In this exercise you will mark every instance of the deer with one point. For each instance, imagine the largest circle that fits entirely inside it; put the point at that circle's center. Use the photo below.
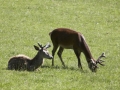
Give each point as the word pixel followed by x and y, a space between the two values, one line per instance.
pixel 65 38
pixel 23 62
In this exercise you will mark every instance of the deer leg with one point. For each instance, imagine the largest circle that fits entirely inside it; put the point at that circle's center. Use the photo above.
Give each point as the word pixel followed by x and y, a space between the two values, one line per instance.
pixel 53 53
pixel 77 53
pixel 60 53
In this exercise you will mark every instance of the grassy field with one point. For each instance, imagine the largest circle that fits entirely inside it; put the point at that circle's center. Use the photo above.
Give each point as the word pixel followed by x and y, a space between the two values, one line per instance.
pixel 23 23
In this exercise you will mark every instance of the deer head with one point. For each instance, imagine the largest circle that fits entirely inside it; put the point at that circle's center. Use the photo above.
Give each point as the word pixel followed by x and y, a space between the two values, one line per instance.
pixel 93 64
pixel 43 50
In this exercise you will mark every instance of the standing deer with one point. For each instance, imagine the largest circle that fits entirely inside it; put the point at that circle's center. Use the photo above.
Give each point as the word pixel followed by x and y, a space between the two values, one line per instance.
pixel 22 62
pixel 70 39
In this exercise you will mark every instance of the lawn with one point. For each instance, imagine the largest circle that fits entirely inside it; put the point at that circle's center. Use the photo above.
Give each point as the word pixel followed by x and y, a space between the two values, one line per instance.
pixel 23 23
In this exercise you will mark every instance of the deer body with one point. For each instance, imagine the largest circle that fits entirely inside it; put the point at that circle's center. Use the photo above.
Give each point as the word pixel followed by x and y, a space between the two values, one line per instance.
pixel 69 39
pixel 22 62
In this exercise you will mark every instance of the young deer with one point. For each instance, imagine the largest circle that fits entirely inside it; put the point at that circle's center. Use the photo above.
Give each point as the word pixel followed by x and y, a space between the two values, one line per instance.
pixel 22 62
pixel 70 39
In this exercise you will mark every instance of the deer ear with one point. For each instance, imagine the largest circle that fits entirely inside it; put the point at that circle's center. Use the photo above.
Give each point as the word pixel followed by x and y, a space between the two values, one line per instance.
pixel 36 47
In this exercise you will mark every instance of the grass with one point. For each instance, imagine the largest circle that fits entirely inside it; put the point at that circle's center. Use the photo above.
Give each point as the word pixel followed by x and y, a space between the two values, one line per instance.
pixel 23 23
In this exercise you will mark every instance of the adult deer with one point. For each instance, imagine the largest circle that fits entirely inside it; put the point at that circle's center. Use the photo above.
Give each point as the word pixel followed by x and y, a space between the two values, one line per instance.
pixel 22 62
pixel 70 39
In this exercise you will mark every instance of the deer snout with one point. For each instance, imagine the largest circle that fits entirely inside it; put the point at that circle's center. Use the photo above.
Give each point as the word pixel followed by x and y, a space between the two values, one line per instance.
pixel 51 57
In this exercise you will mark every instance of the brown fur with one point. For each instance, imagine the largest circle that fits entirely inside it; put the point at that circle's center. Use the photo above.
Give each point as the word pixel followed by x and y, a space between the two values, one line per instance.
pixel 70 39
pixel 19 62
pixel 22 62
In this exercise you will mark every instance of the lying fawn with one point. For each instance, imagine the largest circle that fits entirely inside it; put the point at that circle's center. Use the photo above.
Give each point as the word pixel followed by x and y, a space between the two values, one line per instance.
pixel 22 62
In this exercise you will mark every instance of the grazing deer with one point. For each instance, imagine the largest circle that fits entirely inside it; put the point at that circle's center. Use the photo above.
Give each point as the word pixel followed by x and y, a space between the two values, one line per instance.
pixel 22 62
pixel 70 39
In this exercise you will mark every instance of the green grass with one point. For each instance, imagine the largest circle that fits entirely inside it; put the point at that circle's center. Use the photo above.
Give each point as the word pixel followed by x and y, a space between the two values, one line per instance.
pixel 23 23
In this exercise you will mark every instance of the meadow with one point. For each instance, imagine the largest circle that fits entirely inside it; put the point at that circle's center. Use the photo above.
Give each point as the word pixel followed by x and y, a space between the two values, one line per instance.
pixel 23 23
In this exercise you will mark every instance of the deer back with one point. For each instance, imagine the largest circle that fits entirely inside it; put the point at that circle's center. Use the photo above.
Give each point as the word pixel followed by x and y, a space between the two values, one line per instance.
pixel 65 38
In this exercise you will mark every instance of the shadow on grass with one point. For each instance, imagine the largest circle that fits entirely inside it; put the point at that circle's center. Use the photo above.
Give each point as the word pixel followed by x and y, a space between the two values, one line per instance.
pixel 4 68
pixel 54 67
pixel 65 68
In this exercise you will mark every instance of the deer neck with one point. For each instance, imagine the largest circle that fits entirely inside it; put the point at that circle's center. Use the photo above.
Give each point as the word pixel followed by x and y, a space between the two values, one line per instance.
pixel 86 51
pixel 37 60
pixel 88 56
